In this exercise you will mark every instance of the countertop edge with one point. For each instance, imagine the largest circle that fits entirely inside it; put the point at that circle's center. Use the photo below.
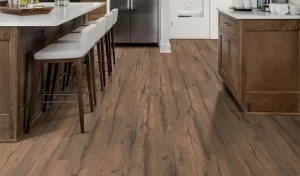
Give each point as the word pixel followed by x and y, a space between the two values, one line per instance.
pixel 258 15
pixel 97 5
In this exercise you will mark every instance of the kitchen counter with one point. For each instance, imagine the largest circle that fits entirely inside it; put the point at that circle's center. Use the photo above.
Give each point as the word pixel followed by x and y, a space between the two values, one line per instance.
pixel 57 16
pixel 240 15
pixel 20 38
pixel 259 61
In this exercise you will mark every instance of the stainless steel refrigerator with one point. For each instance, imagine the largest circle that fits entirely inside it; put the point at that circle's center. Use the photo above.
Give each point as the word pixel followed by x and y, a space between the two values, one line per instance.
pixel 138 21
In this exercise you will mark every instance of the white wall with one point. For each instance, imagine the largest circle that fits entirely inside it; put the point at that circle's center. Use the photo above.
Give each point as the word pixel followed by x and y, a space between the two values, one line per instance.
pixel 165 46
pixel 214 4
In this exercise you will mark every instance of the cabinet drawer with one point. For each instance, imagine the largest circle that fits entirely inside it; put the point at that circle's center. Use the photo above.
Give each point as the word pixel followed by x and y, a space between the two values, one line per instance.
pixel 228 25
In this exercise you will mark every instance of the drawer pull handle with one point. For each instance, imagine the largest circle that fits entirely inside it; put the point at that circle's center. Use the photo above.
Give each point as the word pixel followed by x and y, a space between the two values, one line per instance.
pixel 226 40
pixel 226 24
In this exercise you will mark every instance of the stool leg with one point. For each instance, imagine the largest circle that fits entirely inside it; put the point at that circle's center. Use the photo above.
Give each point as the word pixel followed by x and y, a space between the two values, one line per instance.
pixel 100 66
pixel 108 54
pixel 35 82
pixel 48 82
pixel 113 44
pixel 92 62
pixel 103 60
pixel 80 92
pixel 68 73
pixel 42 87
pixel 87 60
pixel 64 76
pixel 53 82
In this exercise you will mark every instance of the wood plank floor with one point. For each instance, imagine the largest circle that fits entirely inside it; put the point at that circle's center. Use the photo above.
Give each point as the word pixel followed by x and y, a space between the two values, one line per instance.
pixel 161 115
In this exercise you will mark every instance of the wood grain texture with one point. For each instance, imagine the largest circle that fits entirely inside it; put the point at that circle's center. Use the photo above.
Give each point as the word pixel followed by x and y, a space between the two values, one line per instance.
pixel 17 46
pixel 259 63
pixel 228 25
pixel 4 34
pixel 97 13
pixel 160 115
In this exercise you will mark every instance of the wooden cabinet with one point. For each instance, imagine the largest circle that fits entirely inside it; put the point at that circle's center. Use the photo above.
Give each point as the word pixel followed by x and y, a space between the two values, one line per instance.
pixel 234 65
pixel 229 62
pixel 259 63
pixel 97 13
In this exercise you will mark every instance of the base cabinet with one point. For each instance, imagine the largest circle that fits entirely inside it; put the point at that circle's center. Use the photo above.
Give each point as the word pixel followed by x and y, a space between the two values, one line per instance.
pixel 259 63
pixel 97 13
pixel 229 63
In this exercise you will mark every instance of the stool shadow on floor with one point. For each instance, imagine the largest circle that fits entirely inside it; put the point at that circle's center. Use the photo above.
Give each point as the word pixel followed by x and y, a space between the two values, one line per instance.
pixel 62 116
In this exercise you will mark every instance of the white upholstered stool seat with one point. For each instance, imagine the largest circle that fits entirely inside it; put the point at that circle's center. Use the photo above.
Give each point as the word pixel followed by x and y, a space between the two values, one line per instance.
pixel 115 12
pixel 110 19
pixel 79 29
pixel 70 38
pixel 89 23
pixel 70 50
pixel 111 16
pixel 60 51
pixel 75 37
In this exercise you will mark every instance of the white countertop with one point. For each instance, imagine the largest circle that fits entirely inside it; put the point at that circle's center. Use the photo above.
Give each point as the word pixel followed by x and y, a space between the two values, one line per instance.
pixel 256 15
pixel 57 16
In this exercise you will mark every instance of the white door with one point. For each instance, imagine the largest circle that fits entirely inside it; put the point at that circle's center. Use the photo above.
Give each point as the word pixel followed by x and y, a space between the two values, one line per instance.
pixel 190 19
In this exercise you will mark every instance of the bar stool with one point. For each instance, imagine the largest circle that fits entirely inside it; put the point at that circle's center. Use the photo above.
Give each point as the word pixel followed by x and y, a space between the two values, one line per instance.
pixel 75 38
pixel 110 31
pixel 115 19
pixel 65 53
pixel 110 20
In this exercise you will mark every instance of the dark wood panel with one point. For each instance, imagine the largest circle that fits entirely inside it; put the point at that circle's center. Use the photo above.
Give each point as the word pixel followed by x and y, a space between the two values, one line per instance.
pixel 271 25
pixel 4 34
pixel 34 42
pixel 4 72
pixel 273 102
pixel 272 61
pixel 3 3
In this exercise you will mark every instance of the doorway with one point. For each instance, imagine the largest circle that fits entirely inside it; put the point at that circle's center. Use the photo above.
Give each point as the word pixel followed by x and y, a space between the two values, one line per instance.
pixel 190 19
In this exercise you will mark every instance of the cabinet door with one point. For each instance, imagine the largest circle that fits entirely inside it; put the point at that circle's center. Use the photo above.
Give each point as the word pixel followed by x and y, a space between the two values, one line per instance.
pixel 234 63
pixel 229 62
pixel 224 60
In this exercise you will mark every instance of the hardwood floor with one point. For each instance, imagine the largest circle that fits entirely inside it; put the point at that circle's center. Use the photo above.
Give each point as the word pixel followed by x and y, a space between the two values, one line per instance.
pixel 161 115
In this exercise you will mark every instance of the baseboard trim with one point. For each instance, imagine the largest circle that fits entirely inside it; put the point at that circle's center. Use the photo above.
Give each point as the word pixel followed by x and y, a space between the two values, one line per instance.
pixel 165 48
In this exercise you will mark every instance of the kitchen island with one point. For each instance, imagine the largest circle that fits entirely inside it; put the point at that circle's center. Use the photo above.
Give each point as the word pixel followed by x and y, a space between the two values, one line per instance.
pixel 20 38
pixel 259 55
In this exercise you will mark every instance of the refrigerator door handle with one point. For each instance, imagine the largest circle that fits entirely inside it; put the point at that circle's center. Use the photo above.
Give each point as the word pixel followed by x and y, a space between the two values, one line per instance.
pixel 131 4
pixel 128 5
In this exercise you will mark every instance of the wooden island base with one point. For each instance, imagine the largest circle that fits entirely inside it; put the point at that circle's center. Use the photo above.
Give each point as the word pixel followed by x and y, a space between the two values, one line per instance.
pixel 17 46
pixel 259 63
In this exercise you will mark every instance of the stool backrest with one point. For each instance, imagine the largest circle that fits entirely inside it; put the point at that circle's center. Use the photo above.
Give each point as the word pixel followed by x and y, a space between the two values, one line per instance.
pixel 115 12
pixel 101 27
pixel 88 39
pixel 110 18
